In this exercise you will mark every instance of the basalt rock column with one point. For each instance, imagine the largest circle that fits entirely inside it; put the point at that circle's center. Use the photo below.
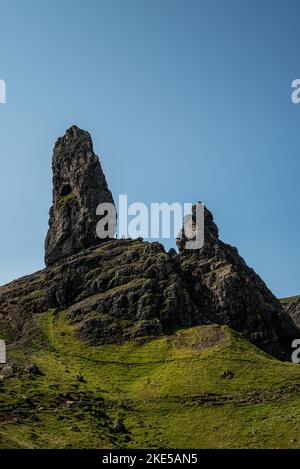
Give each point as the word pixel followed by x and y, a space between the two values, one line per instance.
pixel 79 186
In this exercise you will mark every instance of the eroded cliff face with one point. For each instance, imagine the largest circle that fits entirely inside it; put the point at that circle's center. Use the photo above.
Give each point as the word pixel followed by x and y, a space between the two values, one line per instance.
pixel 232 293
pixel 79 186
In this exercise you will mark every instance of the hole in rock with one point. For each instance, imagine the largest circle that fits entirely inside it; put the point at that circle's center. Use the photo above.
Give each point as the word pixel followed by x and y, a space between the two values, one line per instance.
pixel 66 190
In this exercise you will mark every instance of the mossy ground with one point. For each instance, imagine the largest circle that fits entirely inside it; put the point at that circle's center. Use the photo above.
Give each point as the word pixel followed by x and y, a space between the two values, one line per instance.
pixel 290 299
pixel 167 391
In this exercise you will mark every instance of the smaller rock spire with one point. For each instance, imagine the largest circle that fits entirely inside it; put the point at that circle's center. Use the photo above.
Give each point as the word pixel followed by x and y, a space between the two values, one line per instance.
pixel 232 293
pixel 79 186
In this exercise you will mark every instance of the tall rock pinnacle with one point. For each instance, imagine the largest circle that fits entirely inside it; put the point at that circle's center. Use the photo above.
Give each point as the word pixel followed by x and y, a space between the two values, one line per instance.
pixel 79 186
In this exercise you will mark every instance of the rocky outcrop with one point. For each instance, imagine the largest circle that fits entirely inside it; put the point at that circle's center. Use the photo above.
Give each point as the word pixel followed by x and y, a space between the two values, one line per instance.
pixel 79 186
pixel 292 307
pixel 232 293
pixel 111 291
pixel 125 289
pixel 118 291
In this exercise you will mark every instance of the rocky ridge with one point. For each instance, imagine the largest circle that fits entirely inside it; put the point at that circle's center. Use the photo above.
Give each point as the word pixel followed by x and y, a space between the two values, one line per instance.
pixel 118 291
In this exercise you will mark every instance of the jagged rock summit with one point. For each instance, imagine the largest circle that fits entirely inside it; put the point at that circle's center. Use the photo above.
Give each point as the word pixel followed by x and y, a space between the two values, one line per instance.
pixel 79 186
pixel 232 293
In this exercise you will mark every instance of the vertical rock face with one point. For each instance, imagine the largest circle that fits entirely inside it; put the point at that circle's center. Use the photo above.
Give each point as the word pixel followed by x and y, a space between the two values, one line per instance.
pixel 232 293
pixel 79 186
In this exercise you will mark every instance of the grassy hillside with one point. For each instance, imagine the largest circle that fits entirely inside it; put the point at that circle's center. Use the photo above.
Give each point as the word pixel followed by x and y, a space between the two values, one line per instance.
pixel 290 299
pixel 168 392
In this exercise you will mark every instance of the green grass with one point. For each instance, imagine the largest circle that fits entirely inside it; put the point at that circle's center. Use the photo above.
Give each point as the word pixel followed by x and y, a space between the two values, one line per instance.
pixel 289 299
pixel 65 198
pixel 34 295
pixel 168 391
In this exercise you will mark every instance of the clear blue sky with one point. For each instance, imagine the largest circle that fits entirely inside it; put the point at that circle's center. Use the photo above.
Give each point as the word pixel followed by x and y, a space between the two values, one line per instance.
pixel 186 100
